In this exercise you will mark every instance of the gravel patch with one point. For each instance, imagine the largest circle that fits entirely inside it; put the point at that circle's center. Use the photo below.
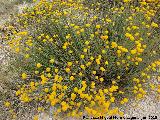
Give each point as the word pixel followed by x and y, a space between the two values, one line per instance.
pixel 149 106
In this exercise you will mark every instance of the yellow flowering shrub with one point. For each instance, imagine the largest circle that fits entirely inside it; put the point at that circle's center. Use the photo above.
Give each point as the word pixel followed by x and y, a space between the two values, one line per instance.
pixel 81 61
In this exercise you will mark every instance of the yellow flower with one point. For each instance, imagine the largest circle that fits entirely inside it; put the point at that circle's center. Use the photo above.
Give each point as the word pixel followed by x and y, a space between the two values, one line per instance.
pixel 118 52
pixel 27 56
pixel 92 103
pixel 158 90
pixel 139 59
pixel 105 37
pixel 17 50
pixel 101 79
pixel 80 74
pixel 113 82
pixel 98 26
pixel 125 100
pixel 136 63
pixel 106 63
pixel 67 70
pixel 35 117
pixel 81 30
pixel 91 58
pixel 88 25
pixel 92 35
pixel 87 42
pixel 82 56
pixel 24 33
pixel 18 92
pixel 40 108
pixel 108 20
pixel 128 35
pixel 128 57
pixel 134 27
pixel 113 88
pixel 112 99
pixel 51 60
pixel 24 76
pixel 132 38
pixel 48 69
pixel 93 86
pixel 65 87
pixel 88 64
pixel 76 27
pixel 73 96
pixel 102 69
pixel 65 107
pixel 83 67
pixel 70 51
pixel 133 51
pixel 114 45
pixel 94 72
pixel 46 90
pixel 78 32
pixel 139 96
pixel 153 24
pixel 118 63
pixel 106 32
pixel 47 36
pixel 56 70
pixel 71 78
pixel 7 104
pixel 85 50
pixel 106 91
pixel 75 89
pixel 98 61
pixel 113 111
pixel 118 77
pixel 44 40
pixel 36 72
pixel 69 64
pixel 39 65
pixel 103 51
pixel 122 102
pixel 64 47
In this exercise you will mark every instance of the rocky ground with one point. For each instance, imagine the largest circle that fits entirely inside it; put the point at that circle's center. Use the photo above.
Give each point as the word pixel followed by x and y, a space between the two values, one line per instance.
pixel 148 107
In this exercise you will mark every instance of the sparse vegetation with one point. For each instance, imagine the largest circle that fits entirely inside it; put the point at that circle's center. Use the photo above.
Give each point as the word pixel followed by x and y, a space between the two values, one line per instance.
pixel 81 57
